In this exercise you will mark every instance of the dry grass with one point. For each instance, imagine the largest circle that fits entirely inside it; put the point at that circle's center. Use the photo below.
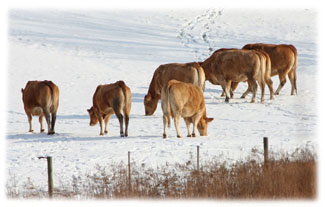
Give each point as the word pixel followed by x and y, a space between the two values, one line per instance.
pixel 288 177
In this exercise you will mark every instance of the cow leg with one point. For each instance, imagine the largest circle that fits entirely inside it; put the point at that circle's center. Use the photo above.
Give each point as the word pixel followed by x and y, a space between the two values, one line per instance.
pixel 126 120
pixel 106 119
pixel 176 122
pixel 246 92
pixel 100 120
pixel 48 121
pixel 262 86
pixel 53 123
pixel 234 85
pixel 269 83
pixel 293 79
pixel 30 121
pixel 40 119
pixel 165 121
pixel 196 119
pixel 188 126
pixel 253 86
pixel 226 88
pixel 283 81
pixel 120 119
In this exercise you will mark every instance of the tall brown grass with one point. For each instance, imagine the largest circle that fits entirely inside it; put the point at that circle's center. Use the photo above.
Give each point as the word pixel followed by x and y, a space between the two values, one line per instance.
pixel 286 177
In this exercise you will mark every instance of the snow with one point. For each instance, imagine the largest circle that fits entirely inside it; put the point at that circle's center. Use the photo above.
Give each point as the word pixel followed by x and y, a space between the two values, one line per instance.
pixel 80 49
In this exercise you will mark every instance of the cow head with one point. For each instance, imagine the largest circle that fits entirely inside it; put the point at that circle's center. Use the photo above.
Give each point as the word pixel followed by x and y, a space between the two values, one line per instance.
pixel 150 104
pixel 93 117
pixel 203 125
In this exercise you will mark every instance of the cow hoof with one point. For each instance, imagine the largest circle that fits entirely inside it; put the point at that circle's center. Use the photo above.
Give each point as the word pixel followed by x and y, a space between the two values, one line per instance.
pixel 101 134
pixel 227 100
pixel 242 97
pixel 179 136
pixel 105 132
pixel 276 93
pixel 189 135
pixel 122 135
pixel 253 101
pixel 164 136
pixel 31 131
pixel 42 130
pixel 193 135
pixel 51 133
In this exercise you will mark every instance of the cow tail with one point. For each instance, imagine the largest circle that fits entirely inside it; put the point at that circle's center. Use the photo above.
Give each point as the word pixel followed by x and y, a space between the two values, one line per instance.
pixel 165 103
pixel 294 67
pixel 50 85
pixel 201 76
pixel 127 97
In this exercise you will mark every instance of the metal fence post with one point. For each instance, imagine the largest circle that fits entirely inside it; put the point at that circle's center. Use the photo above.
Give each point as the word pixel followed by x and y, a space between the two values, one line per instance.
pixel 129 169
pixel 49 174
pixel 198 157
pixel 266 149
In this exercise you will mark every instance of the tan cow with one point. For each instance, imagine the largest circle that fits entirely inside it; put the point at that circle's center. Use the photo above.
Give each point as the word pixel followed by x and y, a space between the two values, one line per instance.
pixel 225 66
pixel 185 72
pixel 284 61
pixel 111 99
pixel 265 59
pixel 41 98
pixel 185 100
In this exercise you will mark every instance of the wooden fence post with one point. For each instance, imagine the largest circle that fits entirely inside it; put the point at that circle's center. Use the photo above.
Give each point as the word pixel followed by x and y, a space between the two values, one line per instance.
pixel 49 174
pixel 266 149
pixel 129 169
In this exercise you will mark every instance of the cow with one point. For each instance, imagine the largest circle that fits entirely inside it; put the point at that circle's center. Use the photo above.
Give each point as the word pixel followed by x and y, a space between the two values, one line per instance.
pixel 179 99
pixel 225 66
pixel 265 59
pixel 111 99
pixel 185 72
pixel 284 61
pixel 41 98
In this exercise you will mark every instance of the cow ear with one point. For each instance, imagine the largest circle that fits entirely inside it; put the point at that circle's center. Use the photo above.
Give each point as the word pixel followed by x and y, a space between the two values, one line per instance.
pixel 22 90
pixel 88 110
pixel 209 119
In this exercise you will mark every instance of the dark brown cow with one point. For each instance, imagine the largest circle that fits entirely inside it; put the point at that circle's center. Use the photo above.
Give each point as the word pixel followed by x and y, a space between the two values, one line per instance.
pixel 41 98
pixel 284 61
pixel 111 99
pixel 185 72
pixel 225 66
pixel 185 100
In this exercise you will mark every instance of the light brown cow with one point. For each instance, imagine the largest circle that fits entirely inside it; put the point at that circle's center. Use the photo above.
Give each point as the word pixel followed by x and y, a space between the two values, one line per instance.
pixel 111 99
pixel 185 72
pixel 225 66
pixel 185 100
pixel 41 98
pixel 265 59
pixel 284 61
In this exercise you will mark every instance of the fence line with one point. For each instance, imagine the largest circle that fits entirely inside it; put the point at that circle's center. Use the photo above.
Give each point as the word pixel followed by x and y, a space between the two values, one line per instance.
pixel 50 166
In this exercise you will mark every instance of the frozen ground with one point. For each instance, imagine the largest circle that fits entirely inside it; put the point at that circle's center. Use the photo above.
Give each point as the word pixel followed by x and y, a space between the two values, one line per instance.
pixel 78 50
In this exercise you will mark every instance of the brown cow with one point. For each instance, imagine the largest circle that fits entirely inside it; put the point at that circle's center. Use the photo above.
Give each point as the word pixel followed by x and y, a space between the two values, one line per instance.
pixel 185 72
pixel 225 66
pixel 111 99
pixel 284 61
pixel 179 99
pixel 41 98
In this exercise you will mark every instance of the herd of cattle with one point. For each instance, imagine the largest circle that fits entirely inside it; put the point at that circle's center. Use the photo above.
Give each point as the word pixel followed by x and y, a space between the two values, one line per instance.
pixel 179 86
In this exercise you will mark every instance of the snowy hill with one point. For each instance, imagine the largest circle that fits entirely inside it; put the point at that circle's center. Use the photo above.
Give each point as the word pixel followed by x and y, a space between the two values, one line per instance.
pixel 79 50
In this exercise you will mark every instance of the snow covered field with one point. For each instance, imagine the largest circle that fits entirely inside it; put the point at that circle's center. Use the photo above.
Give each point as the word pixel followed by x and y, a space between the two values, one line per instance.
pixel 78 50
